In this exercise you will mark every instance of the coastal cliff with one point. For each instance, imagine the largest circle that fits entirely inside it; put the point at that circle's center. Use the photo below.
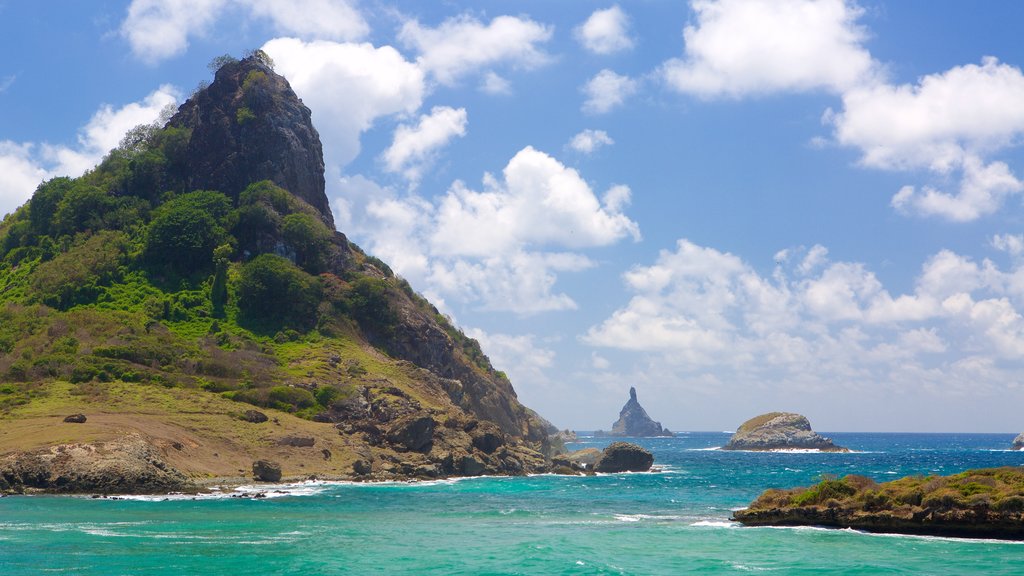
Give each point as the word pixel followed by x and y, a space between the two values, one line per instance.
pixel 779 431
pixel 984 503
pixel 195 278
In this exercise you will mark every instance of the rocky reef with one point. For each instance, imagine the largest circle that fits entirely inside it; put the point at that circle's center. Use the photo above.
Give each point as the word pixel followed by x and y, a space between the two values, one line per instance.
pixel 779 431
pixel 634 422
pixel 985 503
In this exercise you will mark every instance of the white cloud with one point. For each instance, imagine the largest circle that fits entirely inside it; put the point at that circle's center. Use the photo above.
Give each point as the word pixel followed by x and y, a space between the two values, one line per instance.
pixel 348 87
pixel 518 355
pixel 463 45
pixel 494 83
pixel 1012 244
pixel 740 47
pixel 589 141
pixel 313 19
pixel 414 147
pixel 605 31
pixel 26 165
pixel 6 82
pixel 160 29
pixel 707 314
pixel 501 248
pixel 606 90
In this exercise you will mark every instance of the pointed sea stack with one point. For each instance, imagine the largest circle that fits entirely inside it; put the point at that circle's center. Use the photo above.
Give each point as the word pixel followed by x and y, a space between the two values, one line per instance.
pixel 634 422
pixel 779 431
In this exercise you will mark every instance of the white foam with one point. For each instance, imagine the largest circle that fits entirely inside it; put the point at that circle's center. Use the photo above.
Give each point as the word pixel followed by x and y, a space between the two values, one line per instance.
pixel 639 517
pixel 715 524
pixel 703 449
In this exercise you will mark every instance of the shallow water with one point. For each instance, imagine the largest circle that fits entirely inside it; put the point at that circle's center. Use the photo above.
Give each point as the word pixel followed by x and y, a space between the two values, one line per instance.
pixel 670 522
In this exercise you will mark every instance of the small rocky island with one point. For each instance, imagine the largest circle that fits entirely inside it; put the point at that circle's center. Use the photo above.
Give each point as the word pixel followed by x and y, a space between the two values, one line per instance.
pixel 634 422
pixel 1018 442
pixel 779 431
pixel 984 503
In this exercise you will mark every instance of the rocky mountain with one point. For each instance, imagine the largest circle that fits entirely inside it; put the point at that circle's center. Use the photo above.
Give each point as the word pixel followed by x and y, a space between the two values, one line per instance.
pixel 191 294
pixel 779 431
pixel 634 422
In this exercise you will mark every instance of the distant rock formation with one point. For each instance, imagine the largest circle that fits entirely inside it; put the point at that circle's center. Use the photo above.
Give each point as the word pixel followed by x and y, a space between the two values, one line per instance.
pixel 624 457
pixel 779 431
pixel 1018 442
pixel 634 422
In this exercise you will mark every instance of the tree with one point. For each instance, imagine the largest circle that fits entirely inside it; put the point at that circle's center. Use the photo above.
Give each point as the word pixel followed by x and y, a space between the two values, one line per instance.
pixel 309 238
pixel 219 287
pixel 275 294
pixel 185 231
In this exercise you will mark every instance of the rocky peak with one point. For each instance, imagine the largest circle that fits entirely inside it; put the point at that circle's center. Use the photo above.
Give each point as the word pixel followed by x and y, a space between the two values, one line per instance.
pixel 247 126
pixel 634 422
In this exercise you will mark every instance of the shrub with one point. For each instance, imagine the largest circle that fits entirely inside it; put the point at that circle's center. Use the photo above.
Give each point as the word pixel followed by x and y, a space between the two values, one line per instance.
pixel 83 208
pixel 186 230
pixel 290 398
pixel 274 294
pixel 309 238
pixel 824 490
pixel 76 276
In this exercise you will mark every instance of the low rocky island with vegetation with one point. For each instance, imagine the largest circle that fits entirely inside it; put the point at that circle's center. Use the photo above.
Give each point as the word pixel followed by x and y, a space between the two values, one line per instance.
pixel 983 503
pixel 779 431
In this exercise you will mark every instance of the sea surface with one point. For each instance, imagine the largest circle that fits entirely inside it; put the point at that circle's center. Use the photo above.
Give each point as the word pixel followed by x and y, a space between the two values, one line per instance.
pixel 673 521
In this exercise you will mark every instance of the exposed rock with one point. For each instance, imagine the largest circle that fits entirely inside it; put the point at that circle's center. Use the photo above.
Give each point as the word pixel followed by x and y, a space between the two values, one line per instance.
pixel 624 457
pixel 362 467
pixel 487 437
pixel 128 465
pixel 247 126
pixel 634 422
pixel 254 416
pixel 1018 442
pixel 586 457
pixel 75 419
pixel 564 436
pixel 297 441
pixel 266 471
pixel 779 431
pixel 414 433
pixel 470 466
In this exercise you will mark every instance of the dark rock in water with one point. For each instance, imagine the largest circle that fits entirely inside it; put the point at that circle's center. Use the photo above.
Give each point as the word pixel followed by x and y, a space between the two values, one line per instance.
pixel 75 419
pixel 247 126
pixel 254 416
pixel 297 441
pixel 1018 442
pixel 624 457
pixel 414 433
pixel 266 471
pixel 634 422
pixel 779 431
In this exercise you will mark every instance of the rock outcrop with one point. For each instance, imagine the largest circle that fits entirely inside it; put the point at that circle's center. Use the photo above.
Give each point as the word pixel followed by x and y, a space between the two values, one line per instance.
pixel 128 465
pixel 779 431
pixel 266 471
pixel 624 457
pixel 1018 442
pixel 247 126
pixel 634 422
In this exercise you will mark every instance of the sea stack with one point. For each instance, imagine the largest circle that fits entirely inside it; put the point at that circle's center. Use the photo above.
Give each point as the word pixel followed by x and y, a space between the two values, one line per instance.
pixel 1018 442
pixel 634 422
pixel 779 431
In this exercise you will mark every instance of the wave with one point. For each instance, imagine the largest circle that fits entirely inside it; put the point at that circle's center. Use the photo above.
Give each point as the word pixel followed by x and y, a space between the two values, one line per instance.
pixel 640 517
pixel 715 524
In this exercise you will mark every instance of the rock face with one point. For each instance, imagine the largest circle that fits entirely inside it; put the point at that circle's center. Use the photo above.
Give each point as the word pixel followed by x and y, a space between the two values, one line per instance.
pixel 266 471
pixel 1018 442
pixel 634 422
pixel 779 431
pixel 624 457
pixel 247 126
pixel 128 465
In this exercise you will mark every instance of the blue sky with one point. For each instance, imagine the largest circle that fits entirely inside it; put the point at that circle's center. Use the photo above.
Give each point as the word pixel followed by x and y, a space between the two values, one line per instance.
pixel 736 206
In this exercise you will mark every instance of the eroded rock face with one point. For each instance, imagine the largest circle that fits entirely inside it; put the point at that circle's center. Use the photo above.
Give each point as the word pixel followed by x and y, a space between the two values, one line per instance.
pixel 779 431
pixel 266 471
pixel 624 457
pixel 634 422
pixel 247 126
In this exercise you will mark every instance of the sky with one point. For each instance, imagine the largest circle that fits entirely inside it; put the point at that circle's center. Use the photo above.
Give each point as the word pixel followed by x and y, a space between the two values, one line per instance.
pixel 736 206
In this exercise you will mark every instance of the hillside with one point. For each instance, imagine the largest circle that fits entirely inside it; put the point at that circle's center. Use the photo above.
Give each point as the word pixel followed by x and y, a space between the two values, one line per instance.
pixel 194 276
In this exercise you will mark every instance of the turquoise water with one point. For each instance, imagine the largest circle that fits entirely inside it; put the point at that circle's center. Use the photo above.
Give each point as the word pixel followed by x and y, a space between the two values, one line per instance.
pixel 670 522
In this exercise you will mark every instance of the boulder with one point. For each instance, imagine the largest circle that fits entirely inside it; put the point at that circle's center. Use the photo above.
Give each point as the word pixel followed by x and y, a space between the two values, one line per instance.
pixel 75 419
pixel 634 422
pixel 470 466
pixel 624 457
pixel 297 441
pixel 266 471
pixel 414 433
pixel 779 431
pixel 585 458
pixel 1018 442
pixel 362 467
pixel 254 416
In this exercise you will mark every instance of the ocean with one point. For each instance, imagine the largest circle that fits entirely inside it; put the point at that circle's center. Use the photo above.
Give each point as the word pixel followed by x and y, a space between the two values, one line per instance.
pixel 671 521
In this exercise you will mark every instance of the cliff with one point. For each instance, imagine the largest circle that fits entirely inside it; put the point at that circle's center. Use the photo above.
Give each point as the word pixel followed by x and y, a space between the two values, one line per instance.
pixel 779 431
pixel 985 503
pixel 195 278
pixel 634 422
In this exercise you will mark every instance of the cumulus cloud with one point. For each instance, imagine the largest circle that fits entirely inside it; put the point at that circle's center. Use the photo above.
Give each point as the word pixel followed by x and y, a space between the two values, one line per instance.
pixel 463 45
pixel 160 29
pixel 348 86
pixel 494 83
pixel 589 141
pixel 25 165
pixel 414 147
pixel 708 314
pixel 498 248
pixel 605 31
pixel 741 47
pixel 607 90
